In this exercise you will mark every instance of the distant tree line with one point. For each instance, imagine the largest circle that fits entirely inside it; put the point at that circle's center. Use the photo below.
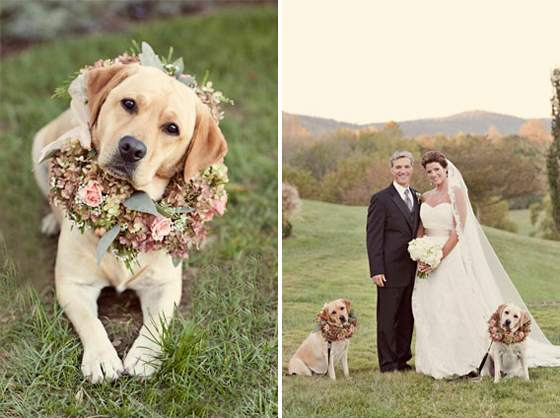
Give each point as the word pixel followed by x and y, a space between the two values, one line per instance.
pixel 348 166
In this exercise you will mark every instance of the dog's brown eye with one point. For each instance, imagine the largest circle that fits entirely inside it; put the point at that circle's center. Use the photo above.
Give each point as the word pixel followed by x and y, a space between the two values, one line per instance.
pixel 129 105
pixel 333 312
pixel 507 313
pixel 171 129
pixel 342 308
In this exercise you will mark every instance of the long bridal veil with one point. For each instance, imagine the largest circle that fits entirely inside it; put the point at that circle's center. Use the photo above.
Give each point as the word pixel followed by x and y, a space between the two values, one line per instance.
pixel 488 276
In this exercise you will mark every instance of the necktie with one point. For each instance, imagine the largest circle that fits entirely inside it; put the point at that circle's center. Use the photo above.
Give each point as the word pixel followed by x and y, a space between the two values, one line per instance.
pixel 408 200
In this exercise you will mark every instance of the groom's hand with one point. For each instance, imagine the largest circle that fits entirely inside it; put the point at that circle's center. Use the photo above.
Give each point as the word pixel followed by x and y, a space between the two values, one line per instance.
pixel 379 280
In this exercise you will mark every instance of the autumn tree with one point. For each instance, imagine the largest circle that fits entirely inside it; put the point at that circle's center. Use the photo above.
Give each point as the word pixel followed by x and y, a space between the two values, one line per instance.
pixel 294 136
pixel 322 156
pixel 493 132
pixel 492 171
pixel 553 162
pixel 535 130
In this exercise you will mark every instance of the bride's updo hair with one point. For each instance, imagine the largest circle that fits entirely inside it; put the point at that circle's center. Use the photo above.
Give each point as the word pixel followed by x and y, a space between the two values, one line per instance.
pixel 434 157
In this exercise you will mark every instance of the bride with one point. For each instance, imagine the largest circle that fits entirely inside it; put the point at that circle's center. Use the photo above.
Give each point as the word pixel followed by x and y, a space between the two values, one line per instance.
pixel 452 306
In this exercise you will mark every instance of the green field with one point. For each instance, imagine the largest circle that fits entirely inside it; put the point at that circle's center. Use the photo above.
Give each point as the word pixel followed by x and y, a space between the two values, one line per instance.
pixel 326 259
pixel 522 218
pixel 220 353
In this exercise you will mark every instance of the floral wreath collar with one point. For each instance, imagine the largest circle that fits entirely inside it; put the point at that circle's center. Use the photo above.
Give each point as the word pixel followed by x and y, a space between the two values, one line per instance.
pixel 127 220
pixel 332 332
pixel 501 335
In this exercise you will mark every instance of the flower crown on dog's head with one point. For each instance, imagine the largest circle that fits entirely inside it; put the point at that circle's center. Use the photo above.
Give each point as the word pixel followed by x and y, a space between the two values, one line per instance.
pixel 127 220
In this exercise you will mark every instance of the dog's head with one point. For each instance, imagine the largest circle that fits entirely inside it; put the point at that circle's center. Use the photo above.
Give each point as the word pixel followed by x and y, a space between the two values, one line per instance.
pixel 336 312
pixel 147 126
pixel 511 316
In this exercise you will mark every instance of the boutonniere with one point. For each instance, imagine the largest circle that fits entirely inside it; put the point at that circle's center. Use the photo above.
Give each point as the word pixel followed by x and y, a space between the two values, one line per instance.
pixel 419 198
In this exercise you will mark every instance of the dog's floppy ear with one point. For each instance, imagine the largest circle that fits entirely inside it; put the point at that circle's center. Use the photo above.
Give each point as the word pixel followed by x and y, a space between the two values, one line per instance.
pixel 347 303
pixel 324 314
pixel 524 318
pixel 501 308
pixel 208 145
pixel 100 81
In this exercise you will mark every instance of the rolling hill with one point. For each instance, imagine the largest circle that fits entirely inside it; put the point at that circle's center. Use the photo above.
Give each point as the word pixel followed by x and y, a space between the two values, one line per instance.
pixel 473 122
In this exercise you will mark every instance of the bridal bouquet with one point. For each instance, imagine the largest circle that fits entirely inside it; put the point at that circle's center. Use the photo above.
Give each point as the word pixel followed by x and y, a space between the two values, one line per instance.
pixel 427 251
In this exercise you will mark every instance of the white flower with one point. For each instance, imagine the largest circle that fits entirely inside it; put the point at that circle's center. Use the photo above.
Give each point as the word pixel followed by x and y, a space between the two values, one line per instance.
pixel 426 250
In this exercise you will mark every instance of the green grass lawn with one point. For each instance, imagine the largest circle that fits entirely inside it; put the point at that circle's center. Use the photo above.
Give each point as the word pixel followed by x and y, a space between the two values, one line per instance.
pixel 522 218
pixel 326 259
pixel 220 352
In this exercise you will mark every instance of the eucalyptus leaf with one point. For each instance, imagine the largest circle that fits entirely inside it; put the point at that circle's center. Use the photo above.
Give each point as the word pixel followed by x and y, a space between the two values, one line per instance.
pixel 167 212
pixel 49 155
pixel 141 202
pixel 183 209
pixel 187 81
pixel 106 241
pixel 149 57
pixel 180 67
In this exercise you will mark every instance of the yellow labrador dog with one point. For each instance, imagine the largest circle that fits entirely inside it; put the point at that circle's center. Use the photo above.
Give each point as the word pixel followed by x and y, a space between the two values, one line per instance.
pixel 146 126
pixel 510 358
pixel 312 355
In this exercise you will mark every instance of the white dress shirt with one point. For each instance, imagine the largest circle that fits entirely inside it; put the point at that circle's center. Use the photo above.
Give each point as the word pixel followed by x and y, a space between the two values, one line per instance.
pixel 401 190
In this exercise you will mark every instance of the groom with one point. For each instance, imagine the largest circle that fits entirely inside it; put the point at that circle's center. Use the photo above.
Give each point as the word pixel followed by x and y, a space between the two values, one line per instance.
pixel 392 221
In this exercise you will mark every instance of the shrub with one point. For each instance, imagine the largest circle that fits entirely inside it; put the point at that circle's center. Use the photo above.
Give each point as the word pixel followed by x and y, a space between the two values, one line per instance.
pixel 541 219
pixel 291 204
pixel 496 217
pixel 307 185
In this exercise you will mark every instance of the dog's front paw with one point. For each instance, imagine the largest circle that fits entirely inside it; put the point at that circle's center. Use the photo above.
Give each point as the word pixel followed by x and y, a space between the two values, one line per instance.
pixel 101 364
pixel 49 225
pixel 141 362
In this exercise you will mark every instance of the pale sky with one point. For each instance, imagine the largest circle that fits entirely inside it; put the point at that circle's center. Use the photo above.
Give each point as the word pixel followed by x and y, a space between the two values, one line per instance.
pixel 373 61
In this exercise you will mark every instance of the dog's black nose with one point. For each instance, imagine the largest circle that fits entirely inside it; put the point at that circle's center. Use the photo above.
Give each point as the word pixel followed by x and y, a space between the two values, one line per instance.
pixel 131 149
pixel 342 318
pixel 507 323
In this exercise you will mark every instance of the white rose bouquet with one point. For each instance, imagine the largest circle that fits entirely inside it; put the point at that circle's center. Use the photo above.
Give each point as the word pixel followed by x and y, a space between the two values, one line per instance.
pixel 426 250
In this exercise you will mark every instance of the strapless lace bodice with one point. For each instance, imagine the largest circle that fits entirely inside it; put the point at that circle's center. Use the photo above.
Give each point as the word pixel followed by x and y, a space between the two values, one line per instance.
pixel 439 217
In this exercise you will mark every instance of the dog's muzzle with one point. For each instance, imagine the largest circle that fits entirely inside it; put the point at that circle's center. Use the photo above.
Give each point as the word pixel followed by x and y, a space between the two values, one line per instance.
pixel 125 159
pixel 131 149
pixel 342 319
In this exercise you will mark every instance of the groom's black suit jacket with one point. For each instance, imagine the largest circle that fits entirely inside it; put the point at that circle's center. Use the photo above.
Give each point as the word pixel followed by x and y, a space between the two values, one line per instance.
pixel 390 226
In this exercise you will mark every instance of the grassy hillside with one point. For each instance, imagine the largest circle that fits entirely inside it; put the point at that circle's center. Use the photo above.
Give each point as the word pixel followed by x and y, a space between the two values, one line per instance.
pixel 220 355
pixel 326 259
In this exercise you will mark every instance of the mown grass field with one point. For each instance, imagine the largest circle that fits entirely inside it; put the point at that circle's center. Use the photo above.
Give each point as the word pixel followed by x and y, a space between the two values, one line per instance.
pixel 326 259
pixel 522 218
pixel 220 353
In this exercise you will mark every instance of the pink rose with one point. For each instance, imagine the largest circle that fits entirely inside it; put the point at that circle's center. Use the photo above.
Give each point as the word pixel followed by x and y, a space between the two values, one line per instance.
pixel 219 205
pixel 160 227
pixel 340 336
pixel 492 322
pixel 327 328
pixel 521 334
pixel 91 193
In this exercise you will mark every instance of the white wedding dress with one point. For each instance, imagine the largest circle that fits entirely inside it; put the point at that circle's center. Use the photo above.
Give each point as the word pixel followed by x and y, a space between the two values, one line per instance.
pixel 450 323
pixel 453 305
